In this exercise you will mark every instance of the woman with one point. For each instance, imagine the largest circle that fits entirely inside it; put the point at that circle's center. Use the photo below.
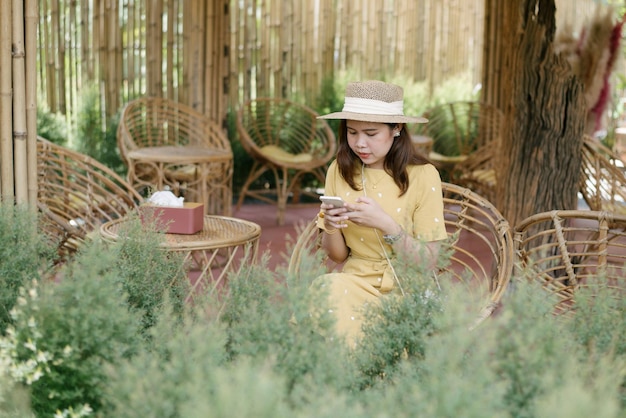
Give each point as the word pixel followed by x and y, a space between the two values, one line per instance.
pixel 392 202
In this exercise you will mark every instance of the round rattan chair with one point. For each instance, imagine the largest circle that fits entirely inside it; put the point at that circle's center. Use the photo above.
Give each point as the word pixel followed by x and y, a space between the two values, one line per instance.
pixel 566 250
pixel 466 136
pixel 166 144
pixel 76 194
pixel 480 244
pixel 287 139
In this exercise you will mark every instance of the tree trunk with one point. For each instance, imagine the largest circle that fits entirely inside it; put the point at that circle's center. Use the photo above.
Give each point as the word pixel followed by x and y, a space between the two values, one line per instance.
pixel 545 117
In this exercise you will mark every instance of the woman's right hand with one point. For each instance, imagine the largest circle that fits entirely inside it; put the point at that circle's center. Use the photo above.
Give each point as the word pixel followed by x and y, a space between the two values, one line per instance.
pixel 334 217
pixel 332 240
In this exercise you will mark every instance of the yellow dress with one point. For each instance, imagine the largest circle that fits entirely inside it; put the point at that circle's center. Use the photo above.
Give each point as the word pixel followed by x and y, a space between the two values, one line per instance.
pixel 366 274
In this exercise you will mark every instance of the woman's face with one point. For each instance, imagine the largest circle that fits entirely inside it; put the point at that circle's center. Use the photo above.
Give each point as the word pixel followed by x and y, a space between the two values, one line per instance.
pixel 370 141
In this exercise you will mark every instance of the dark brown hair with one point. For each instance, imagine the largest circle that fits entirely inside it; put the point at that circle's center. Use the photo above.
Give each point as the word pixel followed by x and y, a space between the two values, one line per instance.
pixel 400 155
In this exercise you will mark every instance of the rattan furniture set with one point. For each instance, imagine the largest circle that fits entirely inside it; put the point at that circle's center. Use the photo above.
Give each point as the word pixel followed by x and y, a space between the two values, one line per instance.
pixel 78 197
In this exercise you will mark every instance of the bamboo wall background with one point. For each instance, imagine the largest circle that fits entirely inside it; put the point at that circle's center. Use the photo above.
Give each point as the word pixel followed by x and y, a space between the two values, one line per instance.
pixel 213 54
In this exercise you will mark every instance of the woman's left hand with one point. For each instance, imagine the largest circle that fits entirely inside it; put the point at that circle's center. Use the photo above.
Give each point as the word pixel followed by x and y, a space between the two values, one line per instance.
pixel 367 212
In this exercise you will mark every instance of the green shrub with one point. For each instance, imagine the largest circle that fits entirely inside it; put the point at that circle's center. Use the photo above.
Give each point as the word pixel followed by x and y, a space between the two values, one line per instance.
pixel 51 126
pixel 66 334
pixel 94 136
pixel 24 254
pixel 456 88
pixel 104 340
pixel 161 380
pixel 267 321
pixel 148 275
pixel 400 327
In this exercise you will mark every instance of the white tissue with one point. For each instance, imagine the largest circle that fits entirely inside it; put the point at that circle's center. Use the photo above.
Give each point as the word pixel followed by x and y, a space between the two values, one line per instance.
pixel 166 198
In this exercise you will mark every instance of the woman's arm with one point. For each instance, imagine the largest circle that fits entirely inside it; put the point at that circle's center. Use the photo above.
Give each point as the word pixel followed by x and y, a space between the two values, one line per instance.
pixel 331 220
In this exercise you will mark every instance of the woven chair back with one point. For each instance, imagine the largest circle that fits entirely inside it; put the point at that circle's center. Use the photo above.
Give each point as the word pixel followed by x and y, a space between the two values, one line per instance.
pixel 602 178
pixel 566 250
pixel 289 126
pixel 76 194
pixel 155 122
pixel 286 139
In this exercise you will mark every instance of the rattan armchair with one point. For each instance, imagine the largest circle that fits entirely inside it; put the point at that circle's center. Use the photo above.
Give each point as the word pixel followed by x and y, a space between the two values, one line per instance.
pixel 287 139
pixel 466 137
pixel 602 178
pixel 480 244
pixel 76 194
pixel 168 145
pixel 566 250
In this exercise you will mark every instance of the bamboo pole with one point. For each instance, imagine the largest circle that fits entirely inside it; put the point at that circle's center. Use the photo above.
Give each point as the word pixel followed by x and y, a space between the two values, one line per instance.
pixel 198 56
pixel 59 32
pixel 154 50
pixel 73 56
pixel 31 19
pixel 86 54
pixel 41 47
pixel 50 65
pixel 20 128
pixel 6 105
pixel 169 51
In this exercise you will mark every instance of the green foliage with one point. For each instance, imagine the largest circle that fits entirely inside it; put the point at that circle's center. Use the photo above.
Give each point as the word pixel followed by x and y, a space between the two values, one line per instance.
pixel 242 161
pixel 401 325
pixel 95 136
pixel 24 254
pixel 162 379
pixel 112 337
pixel 330 99
pixel 266 320
pixel 73 330
pixel 149 276
pixel 51 126
pixel 454 89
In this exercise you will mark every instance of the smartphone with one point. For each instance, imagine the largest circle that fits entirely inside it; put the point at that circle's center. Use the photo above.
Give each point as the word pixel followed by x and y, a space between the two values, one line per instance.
pixel 336 201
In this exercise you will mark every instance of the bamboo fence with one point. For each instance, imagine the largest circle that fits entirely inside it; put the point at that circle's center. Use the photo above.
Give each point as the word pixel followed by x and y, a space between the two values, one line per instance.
pixel 213 54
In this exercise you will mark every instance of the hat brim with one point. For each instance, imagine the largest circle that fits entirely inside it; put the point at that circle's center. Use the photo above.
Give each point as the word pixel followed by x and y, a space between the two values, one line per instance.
pixel 363 117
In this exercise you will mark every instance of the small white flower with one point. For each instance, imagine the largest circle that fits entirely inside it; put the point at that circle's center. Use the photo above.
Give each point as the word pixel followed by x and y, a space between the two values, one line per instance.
pixel 30 345
pixel 67 350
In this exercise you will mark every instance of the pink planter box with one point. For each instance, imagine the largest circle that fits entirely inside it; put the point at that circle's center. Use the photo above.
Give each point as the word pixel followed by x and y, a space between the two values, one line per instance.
pixel 187 219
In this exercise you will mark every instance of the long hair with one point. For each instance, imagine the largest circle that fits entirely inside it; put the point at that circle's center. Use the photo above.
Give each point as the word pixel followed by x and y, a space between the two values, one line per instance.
pixel 400 155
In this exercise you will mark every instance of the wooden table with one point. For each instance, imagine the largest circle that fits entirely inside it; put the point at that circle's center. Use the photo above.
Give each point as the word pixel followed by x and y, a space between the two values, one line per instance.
pixel 198 173
pixel 422 144
pixel 446 164
pixel 223 246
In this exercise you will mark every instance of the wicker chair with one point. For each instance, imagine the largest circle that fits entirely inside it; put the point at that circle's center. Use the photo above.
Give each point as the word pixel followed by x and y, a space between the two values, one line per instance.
pixel 480 242
pixel 76 194
pixel 571 249
pixel 166 144
pixel 287 139
pixel 602 179
pixel 466 136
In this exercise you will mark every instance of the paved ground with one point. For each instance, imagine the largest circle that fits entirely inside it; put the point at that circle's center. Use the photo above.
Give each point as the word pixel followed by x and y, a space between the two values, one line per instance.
pixel 274 238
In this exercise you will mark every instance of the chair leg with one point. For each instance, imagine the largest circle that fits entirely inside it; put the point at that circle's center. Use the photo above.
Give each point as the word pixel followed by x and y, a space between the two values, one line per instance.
pixel 255 173
pixel 282 191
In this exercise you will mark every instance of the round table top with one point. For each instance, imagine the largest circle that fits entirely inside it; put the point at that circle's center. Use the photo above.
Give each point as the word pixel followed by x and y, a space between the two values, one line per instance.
pixel 218 232
pixel 421 140
pixel 180 154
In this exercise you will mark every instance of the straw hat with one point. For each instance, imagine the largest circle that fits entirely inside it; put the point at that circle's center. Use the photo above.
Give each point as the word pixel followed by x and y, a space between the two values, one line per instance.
pixel 374 101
